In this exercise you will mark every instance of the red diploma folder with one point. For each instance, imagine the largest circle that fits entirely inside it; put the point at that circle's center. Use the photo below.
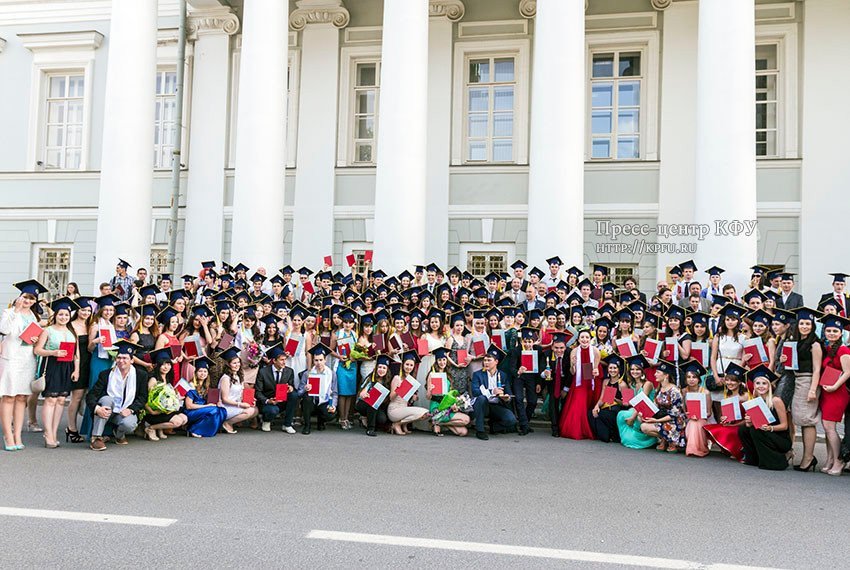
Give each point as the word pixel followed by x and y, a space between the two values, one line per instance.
pixel 528 359
pixel 308 286
pixel 380 342
pixel 192 346
pixel 789 351
pixel 213 396
pixel 69 348
pixel 407 388
pixel 33 330
pixel 627 394
pixel 248 396
pixel 644 405
pixel 755 348
pixel 700 352
pixel 292 345
pixel 625 347
pixel 368 255
pixel 829 376
pixel 183 387
pixel 462 355
pixel 609 394
pixel 408 340
pixel 653 349
pixel 758 412
pixel 350 259
pixel 329 260
pixel 106 335
pixel 422 346
pixel 281 392
pixel 176 350
pixel 478 347
pixel 376 396
pixel 226 341
pixel 586 365
pixel 697 405
pixel 730 408
pixel 315 383
pixel 439 383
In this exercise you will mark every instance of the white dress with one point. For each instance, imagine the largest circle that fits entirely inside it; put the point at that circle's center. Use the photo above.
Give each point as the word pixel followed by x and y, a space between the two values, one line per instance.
pixel 235 395
pixel 298 362
pixel 17 362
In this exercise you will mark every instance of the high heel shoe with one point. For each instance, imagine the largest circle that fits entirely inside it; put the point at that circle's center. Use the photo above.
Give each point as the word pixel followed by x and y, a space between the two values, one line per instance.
pixel 73 436
pixel 50 445
pixel 9 447
pixel 810 467
pixel 836 472
pixel 150 435
pixel 34 428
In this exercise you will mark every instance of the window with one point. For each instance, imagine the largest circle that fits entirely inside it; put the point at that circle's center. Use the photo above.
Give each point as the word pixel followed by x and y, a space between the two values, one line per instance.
pixel 359 261
pixel 619 273
pixel 490 109
pixel 480 263
pixel 63 128
pixel 367 78
pixel 166 114
pixel 767 100
pixel 54 269
pixel 615 122
pixel 158 264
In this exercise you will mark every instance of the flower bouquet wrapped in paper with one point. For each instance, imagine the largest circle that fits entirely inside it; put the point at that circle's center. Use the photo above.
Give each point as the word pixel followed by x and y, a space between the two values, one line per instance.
pixel 163 399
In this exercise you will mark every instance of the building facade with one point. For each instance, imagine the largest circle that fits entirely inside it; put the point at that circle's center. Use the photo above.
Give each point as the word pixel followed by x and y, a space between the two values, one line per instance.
pixel 465 132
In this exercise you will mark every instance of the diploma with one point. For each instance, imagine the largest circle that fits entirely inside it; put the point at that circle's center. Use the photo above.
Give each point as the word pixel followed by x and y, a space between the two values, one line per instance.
pixel 408 388
pixel 32 331
pixel 789 350
pixel 755 348
pixel 439 383
pixel 529 359
pixel 758 412
pixel 700 353
pixel 376 396
pixel 69 348
pixel 730 408
pixel 653 348
pixel 281 392
pixel 625 347
pixel 697 405
pixel 643 405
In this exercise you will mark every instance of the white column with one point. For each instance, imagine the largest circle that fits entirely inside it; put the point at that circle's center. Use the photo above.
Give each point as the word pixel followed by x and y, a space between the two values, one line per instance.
pixel 313 227
pixel 725 135
pixel 556 158
pixel 676 184
pixel 126 175
pixel 400 180
pixel 825 176
pixel 210 81
pixel 443 16
pixel 261 139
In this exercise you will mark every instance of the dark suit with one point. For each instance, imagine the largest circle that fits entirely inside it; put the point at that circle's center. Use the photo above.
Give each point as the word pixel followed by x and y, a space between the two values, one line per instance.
pixel 557 395
pixel 536 304
pixel 828 296
pixel 266 385
pixel 525 385
pixel 502 419
pixel 98 396
pixel 794 301
pixel 99 390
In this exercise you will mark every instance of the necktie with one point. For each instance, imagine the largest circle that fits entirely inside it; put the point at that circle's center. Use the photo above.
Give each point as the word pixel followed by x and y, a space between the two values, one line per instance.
pixel 840 298
pixel 558 377
pixel 277 376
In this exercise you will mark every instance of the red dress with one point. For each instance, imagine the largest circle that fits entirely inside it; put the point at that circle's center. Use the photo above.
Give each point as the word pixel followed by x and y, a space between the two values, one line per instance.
pixel 175 366
pixel 726 438
pixel 833 404
pixel 574 422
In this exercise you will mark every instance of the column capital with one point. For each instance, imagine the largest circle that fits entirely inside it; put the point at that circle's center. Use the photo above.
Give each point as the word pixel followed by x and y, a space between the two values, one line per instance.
pixel 214 21
pixel 528 8
pixel 451 9
pixel 661 4
pixel 319 12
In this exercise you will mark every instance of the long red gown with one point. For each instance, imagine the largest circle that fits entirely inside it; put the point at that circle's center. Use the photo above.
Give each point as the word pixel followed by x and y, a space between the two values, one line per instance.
pixel 574 422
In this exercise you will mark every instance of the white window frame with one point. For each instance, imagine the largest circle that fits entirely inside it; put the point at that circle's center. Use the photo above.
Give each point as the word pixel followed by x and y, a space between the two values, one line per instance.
pixel 55 53
pixel 293 92
pixel 465 248
pixel 634 269
pixel 166 60
pixel 350 56
pixel 464 51
pixel 784 36
pixel 153 276
pixel 65 125
pixel 37 248
pixel 159 72
pixel 647 43
pixel 353 247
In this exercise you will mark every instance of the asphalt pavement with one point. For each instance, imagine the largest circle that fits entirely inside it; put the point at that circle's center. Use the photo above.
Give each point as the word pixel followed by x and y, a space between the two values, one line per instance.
pixel 272 499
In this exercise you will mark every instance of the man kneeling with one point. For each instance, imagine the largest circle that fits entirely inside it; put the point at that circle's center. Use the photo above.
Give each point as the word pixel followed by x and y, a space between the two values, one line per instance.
pixel 492 396
pixel 268 380
pixel 117 397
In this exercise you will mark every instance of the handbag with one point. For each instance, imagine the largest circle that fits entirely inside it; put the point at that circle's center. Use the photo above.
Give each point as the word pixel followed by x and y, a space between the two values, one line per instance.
pixel 38 383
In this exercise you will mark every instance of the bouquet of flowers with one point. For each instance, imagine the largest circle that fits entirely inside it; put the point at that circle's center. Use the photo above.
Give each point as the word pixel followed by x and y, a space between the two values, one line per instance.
pixel 358 352
pixel 163 399
pixel 253 354
pixel 445 405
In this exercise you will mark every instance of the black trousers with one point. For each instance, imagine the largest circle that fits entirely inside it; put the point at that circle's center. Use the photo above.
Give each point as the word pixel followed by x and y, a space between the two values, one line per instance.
pixel 373 416
pixel 556 403
pixel 766 449
pixel 271 411
pixel 525 390
pixel 310 407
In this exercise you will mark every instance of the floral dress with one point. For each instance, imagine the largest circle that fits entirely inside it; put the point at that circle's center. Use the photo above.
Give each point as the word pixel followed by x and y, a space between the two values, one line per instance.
pixel 458 377
pixel 670 404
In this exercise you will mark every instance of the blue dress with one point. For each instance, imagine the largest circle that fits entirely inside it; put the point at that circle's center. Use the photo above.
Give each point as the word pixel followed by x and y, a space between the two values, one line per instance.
pixel 204 422
pixel 346 378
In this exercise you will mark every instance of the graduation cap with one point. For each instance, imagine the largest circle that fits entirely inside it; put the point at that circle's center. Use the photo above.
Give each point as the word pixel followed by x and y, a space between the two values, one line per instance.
pixel 122 309
pixel 166 314
pixel 760 316
pixel 754 294
pixel 419 268
pixel 604 270
pixel 786 276
pixel 467 276
pixel 838 277
pixel 733 369
pixel 699 318
pixel 720 300
pixel 128 348
pixel 616 360
pixel 637 306
pixel 240 267
pixel 604 322
pixel 666 367
pixel 585 283
pixel 241 296
pixel 440 352
pixel 106 300
pixel 575 271
pixel 188 278
pixel 208 265
pixel 269 320
pixel 574 298
pixel 758 270
pixel 177 294
pixel 491 277
pixel 367 320
pixel 807 314
pixel 382 359
pixel 693 366
pixel 433 267
pixel 562 286
pixel 229 354
pixel 435 312
pixel 495 352
pixel 835 321
pixel 519 264
pixel 455 271
pixel 457 316
pixel 305 271
pixel 417 314
pixel 830 302
pixel 534 314
pixel 559 337
pixel 165 277
pixel 410 355
pixel 772 295
pixel 149 290
pixel 277 280
pixel 652 319
pixel 733 310
pixel 555 261
pixel 638 360
pixel 783 316
pixel 286 270
pixel 161 355
pixel 609 287
pixel 676 270
pixel 675 312
pixel 537 273
pixel 625 314
pixel 761 371
pixel 528 333
pixel 201 362
pixel 575 309
pixel 553 312
pixel 714 270
pixel 509 311
pixel 773 274
pixel 379 274
pixel 31 287
pixel 123 264
pixel 64 303
pixel 275 350
pixel 689 264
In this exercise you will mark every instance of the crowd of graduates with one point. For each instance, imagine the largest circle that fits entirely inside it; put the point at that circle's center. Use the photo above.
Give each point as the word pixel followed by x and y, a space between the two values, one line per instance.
pixel 692 368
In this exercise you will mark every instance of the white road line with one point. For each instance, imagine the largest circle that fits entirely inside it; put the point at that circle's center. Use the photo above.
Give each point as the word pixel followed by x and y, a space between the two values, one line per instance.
pixel 85 517
pixel 535 552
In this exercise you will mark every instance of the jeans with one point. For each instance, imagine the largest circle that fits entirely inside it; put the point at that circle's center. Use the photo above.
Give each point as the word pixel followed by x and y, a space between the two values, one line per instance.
pixel 123 424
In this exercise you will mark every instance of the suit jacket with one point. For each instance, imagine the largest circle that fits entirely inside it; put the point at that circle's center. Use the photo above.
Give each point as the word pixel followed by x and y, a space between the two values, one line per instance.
pixel 98 391
pixel 265 384
pixel 479 379
pixel 827 296
pixel 538 304
pixel 551 361
pixel 795 301
pixel 704 305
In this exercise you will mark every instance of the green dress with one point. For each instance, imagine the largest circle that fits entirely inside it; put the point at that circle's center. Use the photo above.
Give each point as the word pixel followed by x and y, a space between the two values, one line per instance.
pixel 630 435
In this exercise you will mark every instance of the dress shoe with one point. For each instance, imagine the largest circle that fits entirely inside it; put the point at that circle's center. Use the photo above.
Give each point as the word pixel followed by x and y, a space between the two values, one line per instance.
pixel 267 426
pixel 371 433
pixel 482 435
pixel 121 441
pixel 97 444
pixel 306 430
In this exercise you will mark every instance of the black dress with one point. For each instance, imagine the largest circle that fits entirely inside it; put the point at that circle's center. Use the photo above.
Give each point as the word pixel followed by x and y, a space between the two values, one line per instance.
pixel 766 449
pixel 57 375
pixel 82 382
pixel 604 425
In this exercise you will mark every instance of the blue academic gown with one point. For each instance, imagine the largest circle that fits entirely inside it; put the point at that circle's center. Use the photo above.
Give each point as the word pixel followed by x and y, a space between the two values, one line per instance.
pixel 204 422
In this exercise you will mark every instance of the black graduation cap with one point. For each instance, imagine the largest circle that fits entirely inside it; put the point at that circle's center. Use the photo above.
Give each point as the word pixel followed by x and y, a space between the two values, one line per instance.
pixel 440 352
pixel 835 321
pixel 609 287
pixel 240 267
pixel 106 300
pixel 435 312
pixel 286 270
pixel 495 352
pixel 124 346
pixel 494 312
pixel 528 333
pixel 229 354
pixel 161 355
pixel 714 270
pixel 830 302
pixel 574 297
pixel 689 264
pixel 166 314
pixel 666 367
pixel 122 263
pixel 786 276
pixel 122 309
pixel 269 320
pixel 761 371
pixel 758 270
pixel 257 277
pixel 433 267
pixel 575 271
pixel 604 322
pixel 382 360
pixel 754 294
pixel 455 271
pixel 638 360
pixel 733 369
pixel 534 314
pixel 675 312
pixel 31 287
pixel 417 314
pixel 379 274
pixel 148 290
pixel 405 274
pixel 615 359
pixel 838 277
pixel 519 264
pixel 208 264
pixel 604 270
pixel 698 317
pixel 305 271
pixel 733 310
pixel 625 314
pixel 457 316
pixel 720 300
pixel 201 362
pixel 320 349
pixel 277 279
pixel 774 274
pixel 165 277
pixel 783 316
pixel 555 261
pixel 537 272
pixel 559 337
pixel 585 283
pixel 760 316
pixel 772 295
pixel 188 278
pixel 693 366
pixel 419 268
pixel 275 350
pixel 653 319
pixel 64 303
pixel 410 355
pixel 676 270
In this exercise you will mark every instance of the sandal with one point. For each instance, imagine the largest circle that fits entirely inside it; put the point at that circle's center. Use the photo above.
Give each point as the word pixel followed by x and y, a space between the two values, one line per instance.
pixel 661 446
pixel 227 428
pixel 73 436
pixel 672 449
pixel 150 434
pixel 34 427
